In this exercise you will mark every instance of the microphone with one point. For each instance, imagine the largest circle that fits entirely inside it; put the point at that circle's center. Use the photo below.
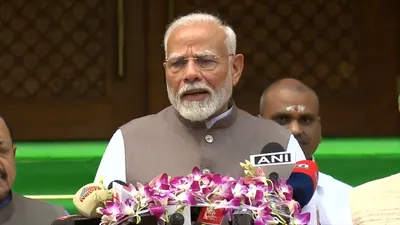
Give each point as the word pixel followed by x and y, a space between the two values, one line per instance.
pixel 176 219
pixel 275 161
pixel 195 212
pixel 304 180
pixel 88 198
pixel 242 217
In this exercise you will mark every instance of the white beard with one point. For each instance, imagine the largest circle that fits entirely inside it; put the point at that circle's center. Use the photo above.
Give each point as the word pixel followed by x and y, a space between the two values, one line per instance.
pixel 201 110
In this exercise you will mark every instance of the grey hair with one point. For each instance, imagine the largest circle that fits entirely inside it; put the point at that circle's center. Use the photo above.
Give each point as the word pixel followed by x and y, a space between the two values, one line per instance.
pixel 196 18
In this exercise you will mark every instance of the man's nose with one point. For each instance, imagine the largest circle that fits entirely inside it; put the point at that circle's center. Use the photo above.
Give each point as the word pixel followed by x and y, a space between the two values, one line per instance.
pixel 192 72
pixel 295 128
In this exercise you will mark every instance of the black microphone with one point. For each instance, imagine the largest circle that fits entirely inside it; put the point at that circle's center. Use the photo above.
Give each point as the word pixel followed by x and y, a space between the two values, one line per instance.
pixel 176 219
pixel 242 217
pixel 272 147
pixel 195 213
pixel 245 217
pixel 110 185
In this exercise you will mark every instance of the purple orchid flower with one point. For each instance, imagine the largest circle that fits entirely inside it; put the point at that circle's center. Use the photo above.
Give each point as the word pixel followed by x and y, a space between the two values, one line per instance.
pixel 185 183
pixel 293 207
pixel 111 208
pixel 263 214
pixel 239 190
pixel 210 180
pixel 301 219
pixel 162 183
pixel 157 211
pixel 223 191
pixel 267 201
pixel 162 199
pixel 187 198
pixel 106 220
pixel 284 190
pixel 196 173
pixel 255 195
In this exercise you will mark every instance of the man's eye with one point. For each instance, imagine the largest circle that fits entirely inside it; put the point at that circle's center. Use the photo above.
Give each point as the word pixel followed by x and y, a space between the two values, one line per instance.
pixel 206 62
pixel 306 120
pixel 282 120
pixel 4 151
pixel 178 63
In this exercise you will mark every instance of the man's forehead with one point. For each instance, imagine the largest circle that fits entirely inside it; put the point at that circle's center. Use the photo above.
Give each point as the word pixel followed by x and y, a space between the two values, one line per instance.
pixel 295 109
pixel 191 53
pixel 5 141
pixel 196 39
pixel 4 132
pixel 287 101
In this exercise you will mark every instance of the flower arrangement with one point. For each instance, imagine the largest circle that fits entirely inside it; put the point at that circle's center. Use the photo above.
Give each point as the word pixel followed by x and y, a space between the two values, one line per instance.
pixel 269 202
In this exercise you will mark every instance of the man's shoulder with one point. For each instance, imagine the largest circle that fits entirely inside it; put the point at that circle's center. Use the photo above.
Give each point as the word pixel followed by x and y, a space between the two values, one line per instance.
pixel 382 183
pixel 384 193
pixel 259 124
pixel 149 119
pixel 38 205
pixel 329 182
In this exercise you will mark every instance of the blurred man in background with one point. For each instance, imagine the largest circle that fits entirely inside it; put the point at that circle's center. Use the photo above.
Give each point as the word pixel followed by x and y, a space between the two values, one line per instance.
pixel 378 201
pixel 16 209
pixel 296 107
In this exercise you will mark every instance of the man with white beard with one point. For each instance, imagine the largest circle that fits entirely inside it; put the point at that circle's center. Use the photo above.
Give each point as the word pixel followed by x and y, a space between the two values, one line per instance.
pixel 202 127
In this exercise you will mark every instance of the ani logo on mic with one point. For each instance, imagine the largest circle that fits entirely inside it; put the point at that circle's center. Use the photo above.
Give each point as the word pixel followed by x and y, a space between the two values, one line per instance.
pixel 274 158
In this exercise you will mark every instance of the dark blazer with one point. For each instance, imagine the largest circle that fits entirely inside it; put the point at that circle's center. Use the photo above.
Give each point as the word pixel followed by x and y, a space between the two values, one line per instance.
pixel 24 211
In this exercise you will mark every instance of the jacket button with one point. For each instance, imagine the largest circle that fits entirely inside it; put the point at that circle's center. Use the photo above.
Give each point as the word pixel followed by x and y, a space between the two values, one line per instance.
pixel 209 138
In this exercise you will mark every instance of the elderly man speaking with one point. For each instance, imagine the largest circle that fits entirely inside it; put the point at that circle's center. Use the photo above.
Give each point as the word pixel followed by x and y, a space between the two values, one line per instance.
pixel 202 127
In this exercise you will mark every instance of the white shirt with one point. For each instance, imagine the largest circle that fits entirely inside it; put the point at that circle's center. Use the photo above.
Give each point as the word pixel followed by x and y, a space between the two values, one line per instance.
pixel 332 200
pixel 112 165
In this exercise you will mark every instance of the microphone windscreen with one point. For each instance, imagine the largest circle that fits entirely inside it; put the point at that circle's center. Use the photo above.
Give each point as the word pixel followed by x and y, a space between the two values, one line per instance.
pixel 242 218
pixel 88 198
pixel 303 189
pixel 303 180
pixel 272 147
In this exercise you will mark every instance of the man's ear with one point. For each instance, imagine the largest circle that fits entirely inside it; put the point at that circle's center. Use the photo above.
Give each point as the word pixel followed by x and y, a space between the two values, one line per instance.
pixel 320 128
pixel 14 149
pixel 237 68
